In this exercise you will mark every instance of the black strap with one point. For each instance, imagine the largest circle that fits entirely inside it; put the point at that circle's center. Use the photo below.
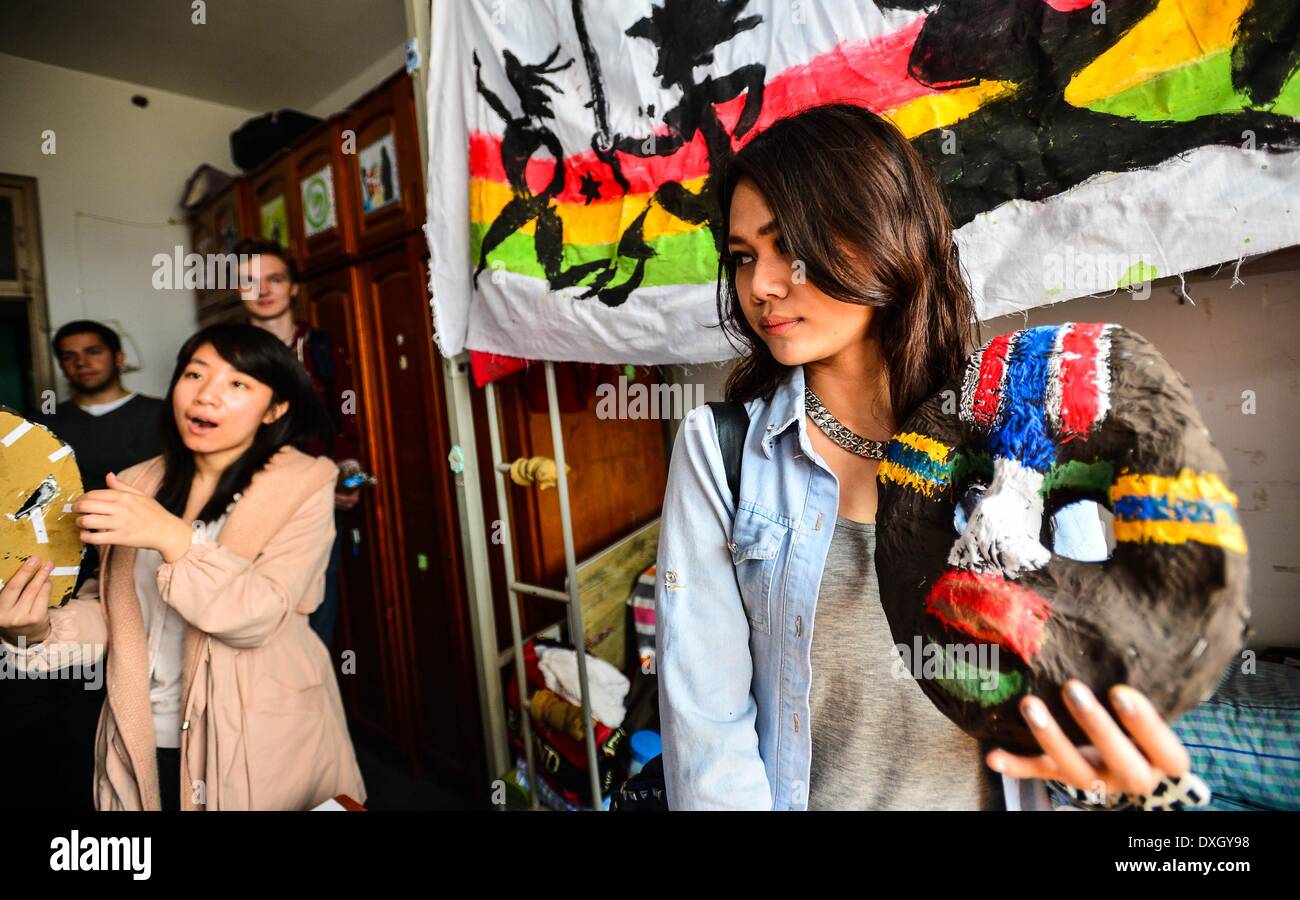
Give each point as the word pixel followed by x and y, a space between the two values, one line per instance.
pixel 732 421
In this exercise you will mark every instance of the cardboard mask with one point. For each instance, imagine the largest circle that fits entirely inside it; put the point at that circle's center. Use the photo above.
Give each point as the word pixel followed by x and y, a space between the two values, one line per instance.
pixel 39 480
pixel 1045 417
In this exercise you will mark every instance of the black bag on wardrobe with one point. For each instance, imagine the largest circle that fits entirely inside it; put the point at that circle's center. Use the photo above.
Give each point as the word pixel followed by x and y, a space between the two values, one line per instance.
pixel 646 791
pixel 258 139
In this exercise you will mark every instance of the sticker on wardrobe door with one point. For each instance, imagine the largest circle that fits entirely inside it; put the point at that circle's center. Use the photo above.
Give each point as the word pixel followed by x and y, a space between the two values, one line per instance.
pixel 275 221
pixel 318 202
pixel 378 173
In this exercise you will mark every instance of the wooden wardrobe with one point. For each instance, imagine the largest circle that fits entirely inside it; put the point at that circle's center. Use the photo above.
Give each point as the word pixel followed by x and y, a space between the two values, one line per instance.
pixel 403 645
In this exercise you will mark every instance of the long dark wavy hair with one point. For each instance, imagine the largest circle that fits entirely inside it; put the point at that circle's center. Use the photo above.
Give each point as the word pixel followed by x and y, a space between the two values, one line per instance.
pixel 840 178
pixel 260 355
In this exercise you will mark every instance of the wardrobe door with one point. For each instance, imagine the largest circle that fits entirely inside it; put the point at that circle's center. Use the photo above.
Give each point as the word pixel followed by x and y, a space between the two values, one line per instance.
pixel 385 167
pixel 232 215
pixel 326 227
pixel 426 544
pixel 275 208
pixel 372 686
pixel 214 228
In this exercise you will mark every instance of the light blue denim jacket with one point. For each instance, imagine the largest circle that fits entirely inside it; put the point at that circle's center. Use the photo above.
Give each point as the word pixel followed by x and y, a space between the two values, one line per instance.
pixel 735 592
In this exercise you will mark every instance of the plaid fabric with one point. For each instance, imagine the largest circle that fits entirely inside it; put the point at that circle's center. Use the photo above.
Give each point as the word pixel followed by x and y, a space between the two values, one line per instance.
pixel 1245 740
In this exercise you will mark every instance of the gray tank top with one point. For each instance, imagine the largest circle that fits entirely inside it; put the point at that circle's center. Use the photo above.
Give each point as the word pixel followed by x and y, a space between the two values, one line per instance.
pixel 877 740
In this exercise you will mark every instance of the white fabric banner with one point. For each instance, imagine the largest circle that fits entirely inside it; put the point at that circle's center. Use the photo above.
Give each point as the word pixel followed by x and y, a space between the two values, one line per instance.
pixel 574 149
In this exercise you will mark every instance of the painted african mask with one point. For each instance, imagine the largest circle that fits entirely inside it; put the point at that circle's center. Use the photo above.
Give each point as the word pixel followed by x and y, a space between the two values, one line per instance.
pixel 1044 418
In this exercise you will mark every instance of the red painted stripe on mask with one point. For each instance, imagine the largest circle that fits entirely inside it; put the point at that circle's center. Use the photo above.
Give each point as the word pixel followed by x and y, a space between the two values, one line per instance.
pixel 988 391
pixel 1079 397
pixel 990 608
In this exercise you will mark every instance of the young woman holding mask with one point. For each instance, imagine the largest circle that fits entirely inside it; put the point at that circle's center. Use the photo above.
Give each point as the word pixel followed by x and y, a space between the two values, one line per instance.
pixel 841 279
pixel 219 695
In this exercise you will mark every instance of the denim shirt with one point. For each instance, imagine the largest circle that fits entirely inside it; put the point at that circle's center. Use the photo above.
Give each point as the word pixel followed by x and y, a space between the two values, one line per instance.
pixel 735 592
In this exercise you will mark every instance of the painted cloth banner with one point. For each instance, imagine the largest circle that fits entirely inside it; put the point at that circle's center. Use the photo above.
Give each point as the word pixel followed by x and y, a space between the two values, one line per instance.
pixel 1083 146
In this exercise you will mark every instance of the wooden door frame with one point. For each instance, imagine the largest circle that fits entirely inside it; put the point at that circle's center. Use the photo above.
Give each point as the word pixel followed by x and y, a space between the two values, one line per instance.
pixel 366 375
pixel 30 286
pixel 407 256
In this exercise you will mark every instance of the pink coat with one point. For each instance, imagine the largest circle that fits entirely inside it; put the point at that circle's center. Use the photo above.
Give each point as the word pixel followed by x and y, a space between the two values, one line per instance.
pixel 262 720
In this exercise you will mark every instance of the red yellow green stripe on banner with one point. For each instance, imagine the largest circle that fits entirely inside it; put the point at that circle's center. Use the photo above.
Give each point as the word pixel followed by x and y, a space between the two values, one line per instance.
pixel 873 73
pixel 1173 65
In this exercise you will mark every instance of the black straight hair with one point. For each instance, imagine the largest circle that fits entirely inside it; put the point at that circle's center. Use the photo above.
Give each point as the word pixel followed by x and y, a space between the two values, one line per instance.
pixel 262 356
pixel 88 326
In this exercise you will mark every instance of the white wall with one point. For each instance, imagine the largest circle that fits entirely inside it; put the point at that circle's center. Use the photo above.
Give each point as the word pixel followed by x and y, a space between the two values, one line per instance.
pixel 120 162
pixel 1233 339
pixel 343 96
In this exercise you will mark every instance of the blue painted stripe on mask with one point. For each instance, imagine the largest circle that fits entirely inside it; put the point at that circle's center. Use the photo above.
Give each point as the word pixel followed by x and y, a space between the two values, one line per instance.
pixel 920 463
pixel 1022 433
pixel 1162 509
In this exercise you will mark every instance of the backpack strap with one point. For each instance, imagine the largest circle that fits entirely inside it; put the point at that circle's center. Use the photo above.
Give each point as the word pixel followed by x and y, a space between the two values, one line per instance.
pixel 732 421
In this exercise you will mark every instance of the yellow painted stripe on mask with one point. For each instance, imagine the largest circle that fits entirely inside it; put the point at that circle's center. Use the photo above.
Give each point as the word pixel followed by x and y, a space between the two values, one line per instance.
pixel 1227 535
pixel 891 471
pixel 1186 485
pixel 929 446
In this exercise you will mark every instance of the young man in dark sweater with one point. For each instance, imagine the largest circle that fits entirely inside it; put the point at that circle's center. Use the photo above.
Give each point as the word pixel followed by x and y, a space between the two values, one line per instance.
pixel 108 427
pixel 272 286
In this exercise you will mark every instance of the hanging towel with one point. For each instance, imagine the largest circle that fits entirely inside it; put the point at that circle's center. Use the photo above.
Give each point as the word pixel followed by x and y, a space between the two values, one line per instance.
pixel 608 685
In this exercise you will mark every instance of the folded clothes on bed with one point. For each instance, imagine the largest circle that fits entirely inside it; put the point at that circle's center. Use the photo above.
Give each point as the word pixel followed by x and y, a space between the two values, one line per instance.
pixel 608 685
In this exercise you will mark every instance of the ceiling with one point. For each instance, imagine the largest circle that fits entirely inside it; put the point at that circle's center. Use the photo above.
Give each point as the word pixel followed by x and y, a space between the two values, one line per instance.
pixel 254 54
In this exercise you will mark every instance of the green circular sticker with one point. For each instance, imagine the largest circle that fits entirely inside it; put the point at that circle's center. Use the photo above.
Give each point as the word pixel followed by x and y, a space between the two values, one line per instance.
pixel 316 205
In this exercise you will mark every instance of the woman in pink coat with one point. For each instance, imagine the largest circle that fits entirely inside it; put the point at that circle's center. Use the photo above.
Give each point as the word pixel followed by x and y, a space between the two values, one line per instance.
pixel 219 694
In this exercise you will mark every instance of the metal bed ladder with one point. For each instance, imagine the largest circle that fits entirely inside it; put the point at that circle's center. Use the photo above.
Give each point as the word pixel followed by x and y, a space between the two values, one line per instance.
pixel 500 469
